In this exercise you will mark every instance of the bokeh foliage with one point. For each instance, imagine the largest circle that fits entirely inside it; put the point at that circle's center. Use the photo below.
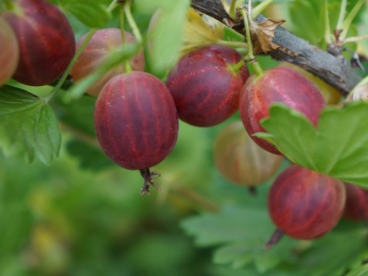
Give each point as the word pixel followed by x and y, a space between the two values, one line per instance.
pixel 83 215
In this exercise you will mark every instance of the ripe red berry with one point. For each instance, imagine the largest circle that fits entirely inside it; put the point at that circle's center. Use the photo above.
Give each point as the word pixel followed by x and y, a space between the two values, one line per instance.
pixel 305 204
pixel 356 207
pixel 329 93
pixel 242 161
pixel 277 85
pixel 9 53
pixel 136 122
pixel 102 43
pixel 46 41
pixel 205 86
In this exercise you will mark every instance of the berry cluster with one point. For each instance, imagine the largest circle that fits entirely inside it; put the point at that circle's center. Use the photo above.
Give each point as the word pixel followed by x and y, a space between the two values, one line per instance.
pixel 205 88
pixel 201 96
pixel 34 61
pixel 136 114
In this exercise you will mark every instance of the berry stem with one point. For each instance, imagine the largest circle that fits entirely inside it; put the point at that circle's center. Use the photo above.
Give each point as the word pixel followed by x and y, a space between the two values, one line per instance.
pixel 341 15
pixel 113 5
pixel 127 66
pixel 250 56
pixel 147 176
pixel 260 8
pixel 247 33
pixel 327 23
pixel 236 67
pixel 252 190
pixel 275 238
pixel 132 23
pixel 122 24
pixel 349 19
pixel 232 10
pixel 65 75
pixel 71 64
pixel 233 44
pixel 250 6
pixel 355 38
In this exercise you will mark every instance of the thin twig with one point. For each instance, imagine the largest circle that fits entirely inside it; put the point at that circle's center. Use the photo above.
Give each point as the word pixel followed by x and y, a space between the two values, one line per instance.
pixel 293 49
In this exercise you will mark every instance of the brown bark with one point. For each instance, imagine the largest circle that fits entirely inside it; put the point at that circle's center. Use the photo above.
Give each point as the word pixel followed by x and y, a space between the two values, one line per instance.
pixel 332 69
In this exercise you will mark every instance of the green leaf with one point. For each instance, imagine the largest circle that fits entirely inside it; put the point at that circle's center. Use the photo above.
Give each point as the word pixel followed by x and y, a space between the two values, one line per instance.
pixel 251 251
pixel 239 232
pixel 334 253
pixel 306 20
pixel 89 157
pixel 94 14
pixel 28 126
pixel 166 36
pixel 339 147
pixel 114 59
pixel 359 271
pixel 242 232
pixel 77 115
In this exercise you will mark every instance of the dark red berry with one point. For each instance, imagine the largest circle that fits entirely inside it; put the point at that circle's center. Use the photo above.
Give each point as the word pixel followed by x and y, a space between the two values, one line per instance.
pixel 46 41
pixel 136 122
pixel 305 204
pixel 205 86
pixel 356 207
pixel 277 85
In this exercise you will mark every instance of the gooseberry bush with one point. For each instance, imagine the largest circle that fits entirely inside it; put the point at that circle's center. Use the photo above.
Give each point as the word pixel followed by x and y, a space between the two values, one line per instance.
pixel 254 126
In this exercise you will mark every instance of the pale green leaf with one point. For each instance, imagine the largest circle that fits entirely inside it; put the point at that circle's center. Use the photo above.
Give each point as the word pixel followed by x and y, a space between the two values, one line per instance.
pixel 93 14
pixel 242 233
pixel 306 20
pixel 114 59
pixel 359 271
pixel 28 126
pixel 166 37
pixel 339 147
pixel 334 253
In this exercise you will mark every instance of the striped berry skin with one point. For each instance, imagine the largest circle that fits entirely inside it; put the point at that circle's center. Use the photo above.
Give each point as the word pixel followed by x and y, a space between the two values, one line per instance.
pixel 103 43
pixel 46 41
pixel 135 120
pixel 242 161
pixel 305 204
pixel 204 87
pixel 278 85
pixel 356 207
pixel 9 54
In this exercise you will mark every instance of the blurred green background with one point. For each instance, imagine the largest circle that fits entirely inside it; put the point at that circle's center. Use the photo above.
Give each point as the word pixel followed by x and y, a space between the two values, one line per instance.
pixel 83 215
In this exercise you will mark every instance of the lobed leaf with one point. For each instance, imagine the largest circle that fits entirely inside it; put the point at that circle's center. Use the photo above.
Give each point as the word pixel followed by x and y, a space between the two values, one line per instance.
pixel 242 233
pixel 28 126
pixel 239 232
pixel 326 256
pixel 338 147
